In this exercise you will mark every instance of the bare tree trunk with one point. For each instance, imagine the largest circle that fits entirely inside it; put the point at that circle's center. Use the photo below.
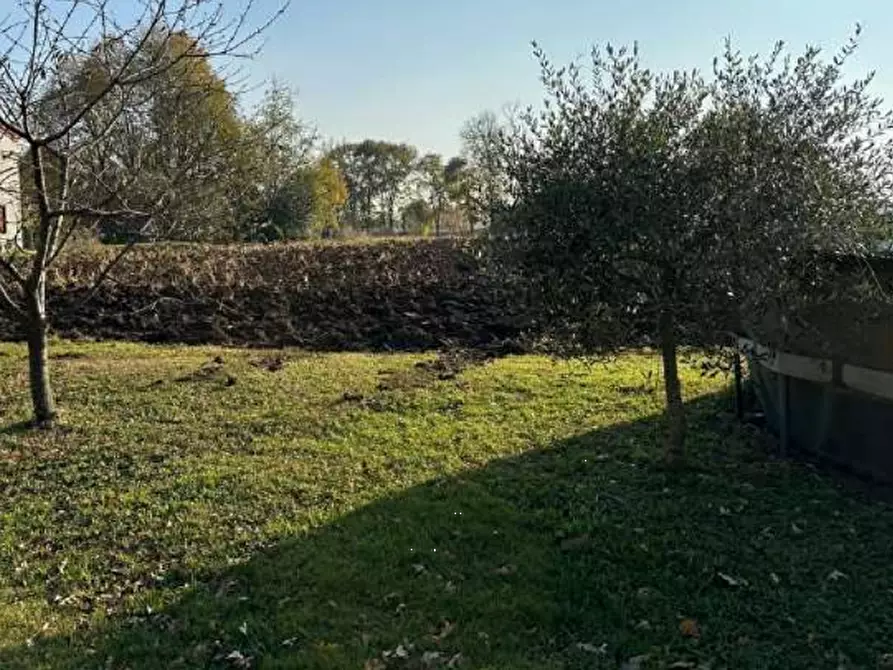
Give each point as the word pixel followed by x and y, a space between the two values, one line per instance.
pixel 36 327
pixel 390 216
pixel 675 449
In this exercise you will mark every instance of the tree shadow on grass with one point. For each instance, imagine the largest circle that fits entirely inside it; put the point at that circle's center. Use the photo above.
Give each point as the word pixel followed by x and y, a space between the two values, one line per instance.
pixel 583 555
pixel 17 428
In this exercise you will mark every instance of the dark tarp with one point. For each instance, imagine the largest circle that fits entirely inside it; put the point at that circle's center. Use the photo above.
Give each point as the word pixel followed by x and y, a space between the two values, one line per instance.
pixel 830 422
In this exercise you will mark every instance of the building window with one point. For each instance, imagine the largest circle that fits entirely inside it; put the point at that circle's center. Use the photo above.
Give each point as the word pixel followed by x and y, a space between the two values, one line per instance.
pixel 2 219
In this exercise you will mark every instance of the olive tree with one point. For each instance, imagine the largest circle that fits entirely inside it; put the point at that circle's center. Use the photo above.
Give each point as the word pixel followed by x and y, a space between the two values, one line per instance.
pixel 667 208
pixel 77 76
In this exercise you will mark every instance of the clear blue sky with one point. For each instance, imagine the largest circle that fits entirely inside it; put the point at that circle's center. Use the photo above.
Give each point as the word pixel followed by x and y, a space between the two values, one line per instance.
pixel 414 70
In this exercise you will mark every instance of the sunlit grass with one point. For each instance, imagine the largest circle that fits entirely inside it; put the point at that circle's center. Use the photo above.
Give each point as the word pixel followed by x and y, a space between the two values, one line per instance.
pixel 204 507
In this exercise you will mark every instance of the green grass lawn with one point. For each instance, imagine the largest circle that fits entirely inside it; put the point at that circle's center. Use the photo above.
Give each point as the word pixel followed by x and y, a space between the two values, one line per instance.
pixel 383 511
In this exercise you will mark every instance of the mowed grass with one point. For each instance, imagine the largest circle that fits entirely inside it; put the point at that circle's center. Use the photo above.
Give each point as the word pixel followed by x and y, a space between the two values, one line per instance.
pixel 293 510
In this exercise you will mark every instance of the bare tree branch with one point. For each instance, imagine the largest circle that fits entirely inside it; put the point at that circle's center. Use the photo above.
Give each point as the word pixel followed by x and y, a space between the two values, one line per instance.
pixel 10 304
pixel 91 98
pixel 12 271
pixel 111 265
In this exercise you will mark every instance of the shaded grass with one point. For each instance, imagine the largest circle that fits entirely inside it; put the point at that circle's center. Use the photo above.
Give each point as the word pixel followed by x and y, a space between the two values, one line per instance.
pixel 349 510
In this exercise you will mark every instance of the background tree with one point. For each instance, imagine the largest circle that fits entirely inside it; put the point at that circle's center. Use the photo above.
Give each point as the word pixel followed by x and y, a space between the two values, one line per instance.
pixel 80 175
pixel 646 206
pixel 190 100
pixel 484 174
pixel 360 165
pixel 329 195
pixel 417 217
pixel 271 180
pixel 153 132
pixel 396 162
pixel 457 179
pixel 433 178
pixel 376 174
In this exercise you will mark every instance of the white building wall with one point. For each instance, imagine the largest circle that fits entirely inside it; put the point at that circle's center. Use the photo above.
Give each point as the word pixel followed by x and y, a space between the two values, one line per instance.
pixel 10 189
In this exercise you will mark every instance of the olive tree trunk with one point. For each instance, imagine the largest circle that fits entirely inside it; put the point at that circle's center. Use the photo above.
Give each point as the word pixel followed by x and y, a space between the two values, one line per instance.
pixel 675 446
pixel 36 327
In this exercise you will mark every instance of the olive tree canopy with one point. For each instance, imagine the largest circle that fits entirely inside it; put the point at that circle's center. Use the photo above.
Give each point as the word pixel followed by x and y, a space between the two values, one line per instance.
pixel 673 207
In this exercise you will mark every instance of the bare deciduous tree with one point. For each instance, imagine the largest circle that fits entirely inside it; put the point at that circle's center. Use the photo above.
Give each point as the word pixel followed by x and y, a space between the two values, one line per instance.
pixel 484 178
pixel 77 77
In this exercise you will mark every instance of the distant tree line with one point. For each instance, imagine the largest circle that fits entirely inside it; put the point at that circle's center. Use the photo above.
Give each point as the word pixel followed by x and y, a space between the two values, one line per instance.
pixel 392 189
pixel 273 177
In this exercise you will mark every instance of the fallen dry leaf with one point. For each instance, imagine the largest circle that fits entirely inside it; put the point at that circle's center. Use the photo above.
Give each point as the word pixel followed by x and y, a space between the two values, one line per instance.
pixel 455 661
pixel 634 663
pixel 431 658
pixel 689 628
pixel 592 649
pixel 446 627
pixel 402 652
pixel 729 580
pixel 238 659
pixel 374 664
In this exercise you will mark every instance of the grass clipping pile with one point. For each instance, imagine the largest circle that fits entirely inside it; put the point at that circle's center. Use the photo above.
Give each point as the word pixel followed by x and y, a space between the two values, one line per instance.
pixel 376 295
